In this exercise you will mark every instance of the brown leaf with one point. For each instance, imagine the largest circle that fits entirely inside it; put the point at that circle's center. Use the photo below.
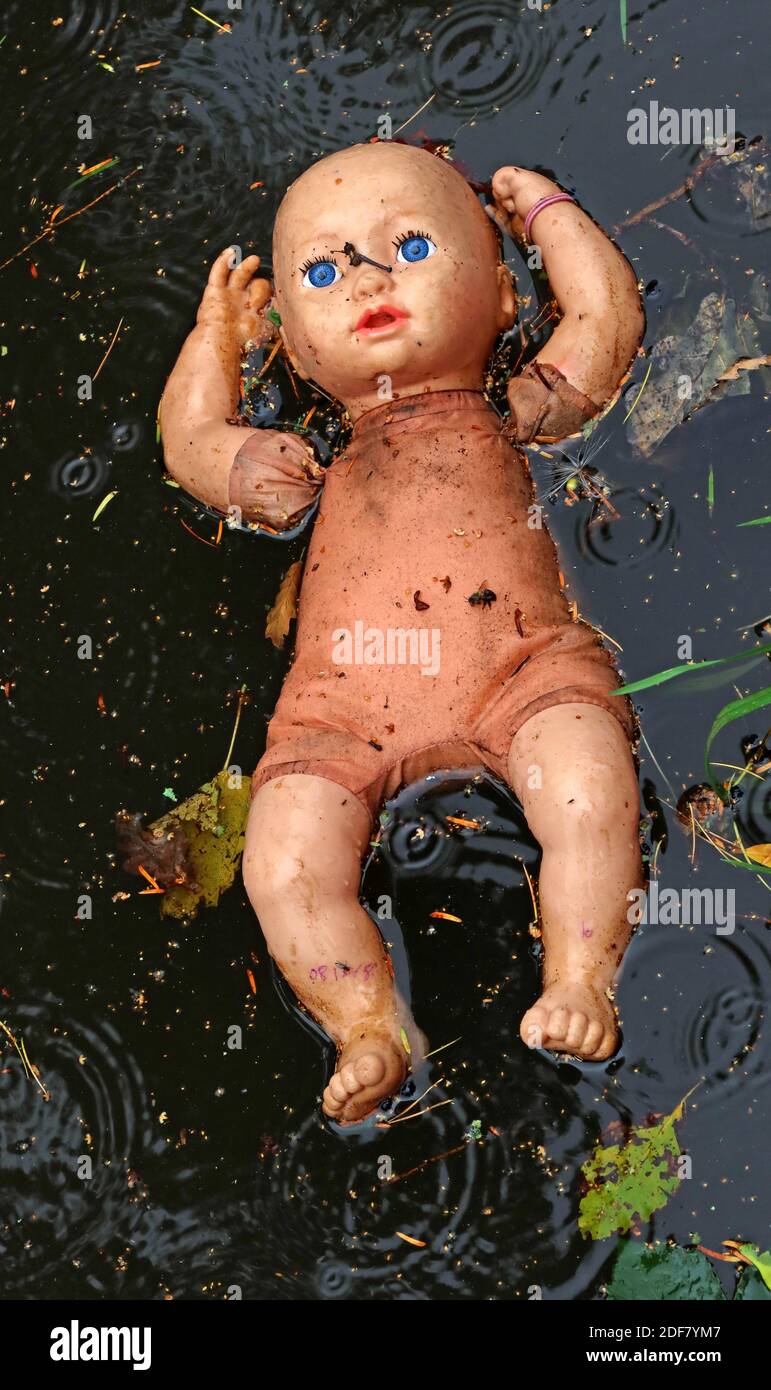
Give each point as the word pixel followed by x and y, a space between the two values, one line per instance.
pixel 164 857
pixel 744 364
pixel 420 603
pixel 285 607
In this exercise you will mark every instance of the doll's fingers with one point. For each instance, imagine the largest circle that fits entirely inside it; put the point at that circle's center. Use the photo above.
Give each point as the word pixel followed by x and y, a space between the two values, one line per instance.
pixel 242 274
pixel 504 183
pixel 220 271
pixel 258 294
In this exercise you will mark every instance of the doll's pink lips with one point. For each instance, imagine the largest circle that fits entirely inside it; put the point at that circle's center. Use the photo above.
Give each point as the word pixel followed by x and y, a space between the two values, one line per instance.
pixel 379 319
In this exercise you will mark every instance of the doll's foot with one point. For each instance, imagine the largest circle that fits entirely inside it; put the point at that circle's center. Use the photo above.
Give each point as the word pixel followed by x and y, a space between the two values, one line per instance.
pixel 369 1069
pixel 573 1017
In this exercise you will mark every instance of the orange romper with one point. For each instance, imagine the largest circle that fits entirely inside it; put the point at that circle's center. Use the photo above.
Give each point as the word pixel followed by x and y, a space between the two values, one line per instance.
pixel 397 674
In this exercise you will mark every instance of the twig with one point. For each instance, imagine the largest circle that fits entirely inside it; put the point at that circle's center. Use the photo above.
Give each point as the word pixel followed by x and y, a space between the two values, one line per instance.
pixel 109 350
pixel 226 763
pixel 398 1119
pixel 28 1067
pixel 440 1049
pixel 436 1158
pixel 418 1099
pixel 532 891
pixel 685 187
pixel 414 114
pixel 54 227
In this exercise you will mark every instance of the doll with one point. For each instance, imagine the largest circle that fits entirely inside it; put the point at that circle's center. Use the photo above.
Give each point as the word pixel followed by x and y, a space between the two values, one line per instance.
pixel 391 293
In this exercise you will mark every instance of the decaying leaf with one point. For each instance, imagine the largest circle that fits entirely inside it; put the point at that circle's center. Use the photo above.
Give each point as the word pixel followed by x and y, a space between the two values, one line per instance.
pixel 695 362
pixel 745 364
pixel 627 1183
pixel 162 855
pixel 194 850
pixel 214 820
pixel 753 181
pixel 285 607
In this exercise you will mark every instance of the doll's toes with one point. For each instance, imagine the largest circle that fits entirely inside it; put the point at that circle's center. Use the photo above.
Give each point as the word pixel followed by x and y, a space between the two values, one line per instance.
pixel 367 1072
pixel 593 1037
pixel 558 1026
pixel 606 1047
pixel 534 1026
pixel 575 1038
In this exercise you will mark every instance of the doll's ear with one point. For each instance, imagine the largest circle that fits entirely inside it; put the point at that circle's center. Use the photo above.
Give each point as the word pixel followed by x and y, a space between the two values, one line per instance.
pixel 507 298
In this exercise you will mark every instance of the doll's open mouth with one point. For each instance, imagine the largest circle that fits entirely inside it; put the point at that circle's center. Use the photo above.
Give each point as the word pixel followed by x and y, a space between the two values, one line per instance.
pixel 376 320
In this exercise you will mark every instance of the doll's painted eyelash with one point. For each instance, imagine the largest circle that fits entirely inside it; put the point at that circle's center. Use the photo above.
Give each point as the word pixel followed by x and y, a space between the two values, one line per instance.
pixel 316 260
pixel 408 236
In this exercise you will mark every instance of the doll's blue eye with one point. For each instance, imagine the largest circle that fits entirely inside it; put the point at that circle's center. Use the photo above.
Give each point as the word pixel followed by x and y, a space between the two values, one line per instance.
pixel 415 248
pixel 321 274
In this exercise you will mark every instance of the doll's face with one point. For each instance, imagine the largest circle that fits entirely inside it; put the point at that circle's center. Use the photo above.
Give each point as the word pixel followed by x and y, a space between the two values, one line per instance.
pixel 427 315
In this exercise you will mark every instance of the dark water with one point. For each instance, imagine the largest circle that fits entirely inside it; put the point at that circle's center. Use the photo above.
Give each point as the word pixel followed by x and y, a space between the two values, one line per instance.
pixel 211 1168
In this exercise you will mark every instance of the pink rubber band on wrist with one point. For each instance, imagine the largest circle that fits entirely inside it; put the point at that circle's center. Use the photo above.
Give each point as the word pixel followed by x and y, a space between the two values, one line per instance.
pixel 539 207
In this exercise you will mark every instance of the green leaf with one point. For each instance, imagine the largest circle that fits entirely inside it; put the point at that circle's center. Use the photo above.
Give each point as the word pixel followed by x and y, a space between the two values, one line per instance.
pixel 735 709
pixel 751 1287
pixel 213 820
pixel 665 1272
pixel 761 1261
pixel 627 1183
pixel 274 316
pixel 622 7
pixel 756 521
pixel 691 668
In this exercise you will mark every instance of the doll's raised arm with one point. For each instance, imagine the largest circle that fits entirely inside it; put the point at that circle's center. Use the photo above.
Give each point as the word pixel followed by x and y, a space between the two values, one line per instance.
pixel 602 322
pixel 265 476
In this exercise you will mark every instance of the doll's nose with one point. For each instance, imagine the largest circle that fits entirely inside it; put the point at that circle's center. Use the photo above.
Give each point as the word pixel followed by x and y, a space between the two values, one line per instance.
pixel 370 280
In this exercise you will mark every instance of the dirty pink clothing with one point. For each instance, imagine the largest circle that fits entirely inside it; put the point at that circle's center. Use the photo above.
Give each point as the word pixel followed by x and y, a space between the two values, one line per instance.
pixel 427 508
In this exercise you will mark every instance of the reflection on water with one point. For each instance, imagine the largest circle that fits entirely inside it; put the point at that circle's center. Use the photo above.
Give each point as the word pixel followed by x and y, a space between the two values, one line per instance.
pixel 211 1172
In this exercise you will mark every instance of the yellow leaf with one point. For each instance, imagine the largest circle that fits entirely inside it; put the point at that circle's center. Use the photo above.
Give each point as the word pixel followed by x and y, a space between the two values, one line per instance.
pixel 285 607
pixel 760 853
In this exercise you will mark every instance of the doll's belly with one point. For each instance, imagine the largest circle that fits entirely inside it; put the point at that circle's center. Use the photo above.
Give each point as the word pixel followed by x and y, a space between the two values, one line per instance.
pixel 431 596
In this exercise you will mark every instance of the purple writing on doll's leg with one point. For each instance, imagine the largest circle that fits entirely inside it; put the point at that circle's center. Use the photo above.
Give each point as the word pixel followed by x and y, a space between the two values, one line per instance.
pixel 320 973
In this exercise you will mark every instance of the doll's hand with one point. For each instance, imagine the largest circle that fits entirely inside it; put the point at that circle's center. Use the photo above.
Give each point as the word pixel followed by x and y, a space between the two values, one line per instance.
pixel 235 300
pixel 515 191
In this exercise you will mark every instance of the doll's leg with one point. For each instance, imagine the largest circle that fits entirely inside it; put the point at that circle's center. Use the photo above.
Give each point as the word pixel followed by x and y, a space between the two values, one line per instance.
pixel 305 840
pixel 571 767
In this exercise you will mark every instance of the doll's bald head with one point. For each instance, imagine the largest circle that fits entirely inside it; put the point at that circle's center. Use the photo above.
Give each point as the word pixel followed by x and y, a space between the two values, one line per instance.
pixel 386 267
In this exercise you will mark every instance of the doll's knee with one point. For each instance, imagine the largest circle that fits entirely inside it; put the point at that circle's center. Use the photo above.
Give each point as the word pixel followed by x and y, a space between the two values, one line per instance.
pixel 272 869
pixel 583 802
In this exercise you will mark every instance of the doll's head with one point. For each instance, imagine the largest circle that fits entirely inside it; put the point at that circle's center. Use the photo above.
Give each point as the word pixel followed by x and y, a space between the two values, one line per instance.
pixel 437 278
